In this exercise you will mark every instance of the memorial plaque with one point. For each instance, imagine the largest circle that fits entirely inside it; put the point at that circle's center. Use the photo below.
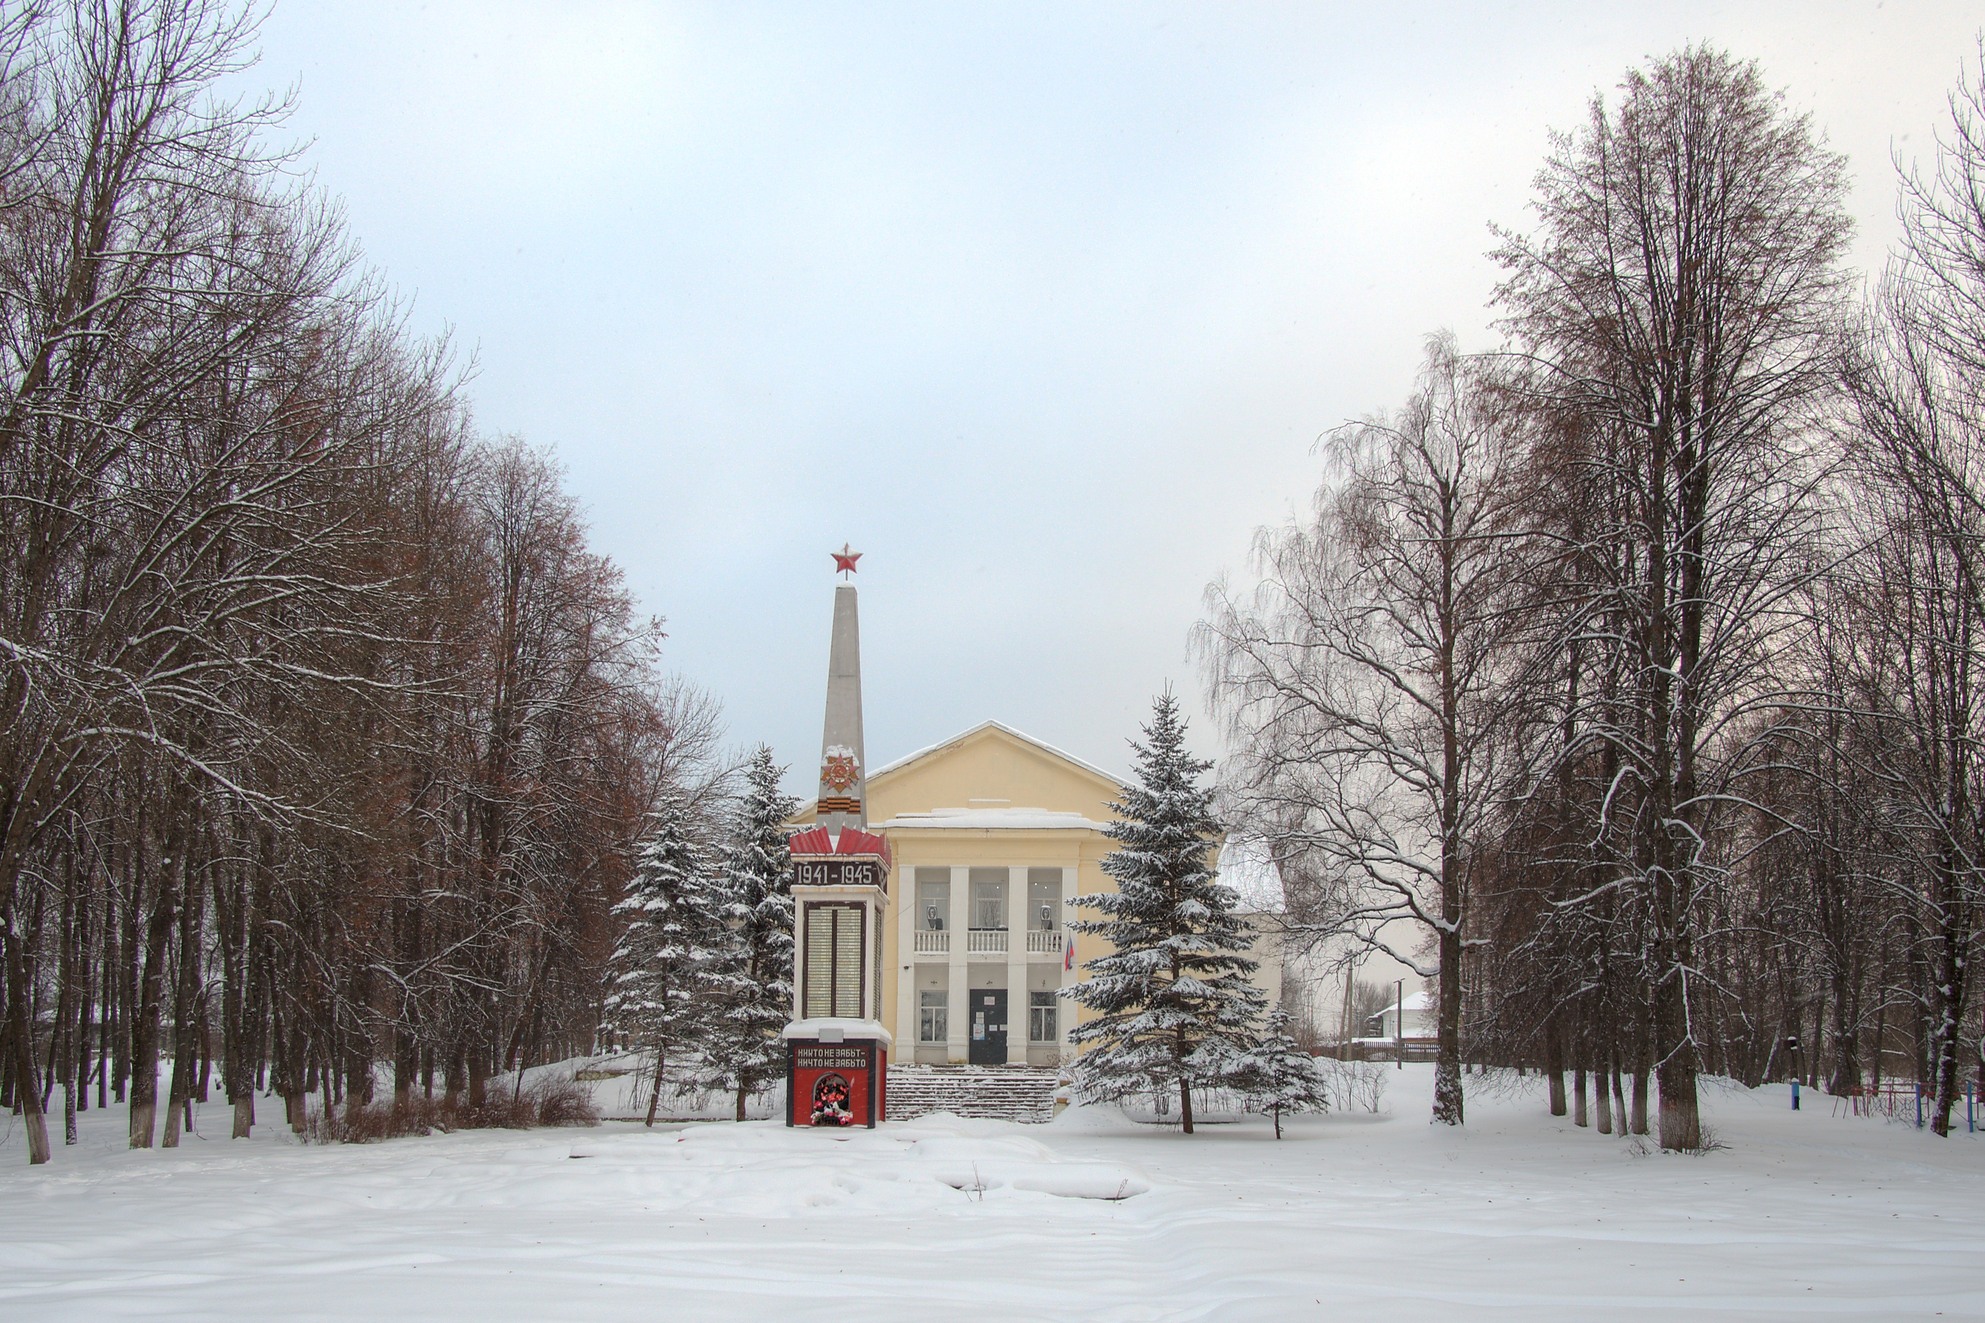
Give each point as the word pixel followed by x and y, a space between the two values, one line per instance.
pixel 835 1084
pixel 837 873
pixel 832 1058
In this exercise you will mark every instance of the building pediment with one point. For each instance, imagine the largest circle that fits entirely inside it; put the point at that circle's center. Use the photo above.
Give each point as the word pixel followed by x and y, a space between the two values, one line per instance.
pixel 989 777
pixel 992 819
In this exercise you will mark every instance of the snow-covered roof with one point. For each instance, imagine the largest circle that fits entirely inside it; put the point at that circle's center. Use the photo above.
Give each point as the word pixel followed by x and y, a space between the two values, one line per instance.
pixel 1413 1001
pixel 992 819
pixel 1020 735
pixel 837 1029
pixel 1247 867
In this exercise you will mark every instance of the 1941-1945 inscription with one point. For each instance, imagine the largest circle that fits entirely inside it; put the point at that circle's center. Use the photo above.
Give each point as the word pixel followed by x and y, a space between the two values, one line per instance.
pixel 836 873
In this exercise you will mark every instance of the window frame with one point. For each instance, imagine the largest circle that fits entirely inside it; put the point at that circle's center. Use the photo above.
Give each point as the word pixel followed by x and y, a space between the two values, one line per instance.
pixel 1044 882
pixel 1043 1002
pixel 942 887
pixel 985 890
pixel 933 1013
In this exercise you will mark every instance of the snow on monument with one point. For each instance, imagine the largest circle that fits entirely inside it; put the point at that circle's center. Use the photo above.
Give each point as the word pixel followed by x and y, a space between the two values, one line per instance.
pixel 837 1051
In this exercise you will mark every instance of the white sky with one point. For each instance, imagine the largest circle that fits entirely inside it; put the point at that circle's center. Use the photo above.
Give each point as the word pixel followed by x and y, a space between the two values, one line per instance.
pixel 1042 307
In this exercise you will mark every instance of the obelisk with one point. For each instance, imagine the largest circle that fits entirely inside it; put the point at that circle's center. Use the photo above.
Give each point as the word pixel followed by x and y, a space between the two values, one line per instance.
pixel 837 1063
pixel 843 788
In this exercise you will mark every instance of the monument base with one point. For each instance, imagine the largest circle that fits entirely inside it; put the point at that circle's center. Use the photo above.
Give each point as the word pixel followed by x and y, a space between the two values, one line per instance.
pixel 837 1073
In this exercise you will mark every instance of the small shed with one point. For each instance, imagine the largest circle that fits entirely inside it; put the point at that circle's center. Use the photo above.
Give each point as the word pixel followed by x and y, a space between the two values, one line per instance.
pixel 1421 1018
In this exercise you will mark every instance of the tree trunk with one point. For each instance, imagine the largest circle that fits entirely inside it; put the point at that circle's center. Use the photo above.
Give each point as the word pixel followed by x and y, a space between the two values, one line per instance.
pixel 406 1065
pixel 185 1011
pixel 1846 1078
pixel 79 1065
pixel 118 984
pixel 27 1090
pixel 1675 1072
pixel 1950 1002
pixel 1554 1068
pixel 62 1051
pixel 1879 1045
pixel 1447 1062
pixel 1578 1096
pixel 106 1008
pixel 241 1003
pixel 1179 1050
pixel 655 1094
pixel 150 1004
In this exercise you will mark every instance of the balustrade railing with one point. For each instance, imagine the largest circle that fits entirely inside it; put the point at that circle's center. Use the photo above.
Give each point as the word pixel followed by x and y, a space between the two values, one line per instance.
pixel 991 941
pixel 985 941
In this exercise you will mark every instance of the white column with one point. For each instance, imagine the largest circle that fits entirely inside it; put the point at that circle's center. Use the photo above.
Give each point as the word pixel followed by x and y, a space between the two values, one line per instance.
pixel 906 965
pixel 958 1032
pixel 1065 1009
pixel 1016 966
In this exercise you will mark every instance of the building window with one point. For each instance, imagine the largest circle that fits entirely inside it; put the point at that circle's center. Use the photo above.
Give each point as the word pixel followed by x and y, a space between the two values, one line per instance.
pixel 933 1015
pixel 1044 899
pixel 933 899
pixel 989 898
pixel 834 949
pixel 1041 1006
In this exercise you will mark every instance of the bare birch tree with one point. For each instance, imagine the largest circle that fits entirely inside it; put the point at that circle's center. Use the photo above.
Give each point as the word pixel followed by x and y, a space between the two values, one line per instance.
pixel 1362 678
pixel 1918 385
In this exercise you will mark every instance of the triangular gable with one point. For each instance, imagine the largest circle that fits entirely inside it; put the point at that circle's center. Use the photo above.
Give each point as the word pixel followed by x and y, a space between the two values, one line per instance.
pixel 991 764
pixel 1109 778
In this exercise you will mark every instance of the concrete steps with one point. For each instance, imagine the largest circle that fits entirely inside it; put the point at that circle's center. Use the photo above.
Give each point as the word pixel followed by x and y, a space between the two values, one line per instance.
pixel 1012 1093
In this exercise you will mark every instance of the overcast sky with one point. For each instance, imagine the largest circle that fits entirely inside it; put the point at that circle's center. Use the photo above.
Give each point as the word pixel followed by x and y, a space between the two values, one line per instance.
pixel 1042 308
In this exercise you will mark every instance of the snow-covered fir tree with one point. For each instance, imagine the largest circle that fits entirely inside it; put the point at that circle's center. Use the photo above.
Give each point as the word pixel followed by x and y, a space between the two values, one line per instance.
pixel 1279 1076
pixel 753 985
pixel 1176 1007
pixel 658 995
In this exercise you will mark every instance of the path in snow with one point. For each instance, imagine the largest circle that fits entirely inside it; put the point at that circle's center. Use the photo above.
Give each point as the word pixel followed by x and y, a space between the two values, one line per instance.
pixel 1353 1216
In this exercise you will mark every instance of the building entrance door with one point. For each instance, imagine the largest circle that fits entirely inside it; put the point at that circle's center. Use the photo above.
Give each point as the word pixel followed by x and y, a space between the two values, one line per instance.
pixel 988 1026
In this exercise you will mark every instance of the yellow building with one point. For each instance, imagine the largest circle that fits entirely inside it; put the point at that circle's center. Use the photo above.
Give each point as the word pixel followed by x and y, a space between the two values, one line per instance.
pixel 991 833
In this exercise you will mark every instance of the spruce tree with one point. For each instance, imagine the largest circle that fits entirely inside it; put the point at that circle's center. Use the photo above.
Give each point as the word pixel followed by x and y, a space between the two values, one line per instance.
pixel 661 970
pixel 1279 1076
pixel 1176 1007
pixel 753 985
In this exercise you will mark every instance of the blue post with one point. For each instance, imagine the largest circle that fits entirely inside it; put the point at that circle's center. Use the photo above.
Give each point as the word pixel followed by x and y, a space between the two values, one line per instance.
pixel 1970 1108
pixel 1919 1106
pixel 1795 1095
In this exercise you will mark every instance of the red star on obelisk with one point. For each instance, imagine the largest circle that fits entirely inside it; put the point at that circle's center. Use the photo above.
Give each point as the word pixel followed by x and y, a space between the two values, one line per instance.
pixel 844 559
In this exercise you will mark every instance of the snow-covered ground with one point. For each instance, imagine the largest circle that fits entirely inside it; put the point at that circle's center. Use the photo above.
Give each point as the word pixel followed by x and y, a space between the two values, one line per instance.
pixel 1353 1216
